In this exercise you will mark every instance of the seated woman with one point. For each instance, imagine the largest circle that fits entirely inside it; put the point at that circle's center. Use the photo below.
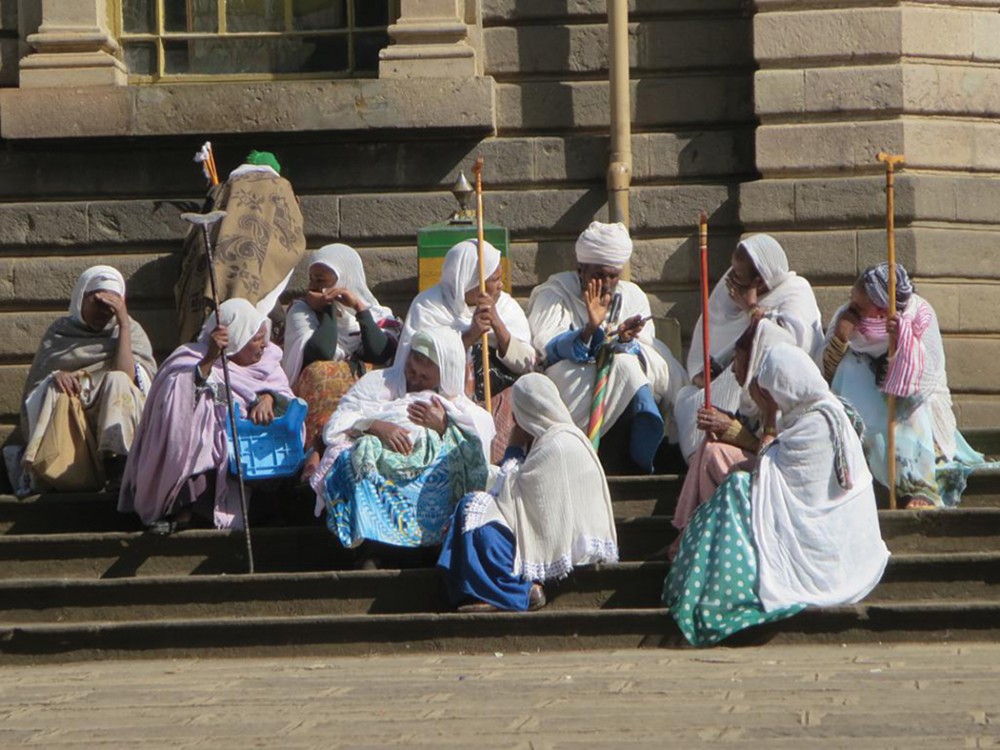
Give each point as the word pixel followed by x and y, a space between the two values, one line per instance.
pixel 403 447
pixel 332 332
pixel 735 438
pixel 456 303
pixel 757 285
pixel 933 461
pixel 86 388
pixel 802 530
pixel 180 460
pixel 549 511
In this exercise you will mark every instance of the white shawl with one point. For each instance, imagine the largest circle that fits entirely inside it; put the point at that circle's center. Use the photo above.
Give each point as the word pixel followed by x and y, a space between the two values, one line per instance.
pixel 443 305
pixel 789 302
pixel 302 321
pixel 381 394
pixel 557 306
pixel 817 542
pixel 933 387
pixel 557 502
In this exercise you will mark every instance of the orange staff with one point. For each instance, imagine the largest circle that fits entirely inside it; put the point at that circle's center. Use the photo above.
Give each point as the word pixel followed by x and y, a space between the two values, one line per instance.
pixel 890 161
pixel 477 170
pixel 707 363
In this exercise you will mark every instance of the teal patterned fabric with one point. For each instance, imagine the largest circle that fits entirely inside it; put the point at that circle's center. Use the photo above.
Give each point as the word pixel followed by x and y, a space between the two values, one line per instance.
pixel 711 589
pixel 404 500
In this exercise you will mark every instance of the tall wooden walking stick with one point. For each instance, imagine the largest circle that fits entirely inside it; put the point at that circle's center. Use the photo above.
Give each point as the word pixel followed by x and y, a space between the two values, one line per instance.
pixel 707 358
pixel 890 161
pixel 477 170
pixel 206 221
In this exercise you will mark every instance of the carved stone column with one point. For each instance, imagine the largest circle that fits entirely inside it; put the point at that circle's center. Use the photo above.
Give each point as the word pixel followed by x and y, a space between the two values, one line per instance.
pixel 73 47
pixel 431 39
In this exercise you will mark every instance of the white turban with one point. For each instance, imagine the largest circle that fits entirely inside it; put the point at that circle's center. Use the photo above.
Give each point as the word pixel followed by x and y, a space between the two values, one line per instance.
pixel 241 318
pixel 95 279
pixel 604 245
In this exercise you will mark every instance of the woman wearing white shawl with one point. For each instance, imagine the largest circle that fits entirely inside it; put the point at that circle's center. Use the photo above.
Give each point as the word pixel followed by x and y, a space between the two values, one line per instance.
pixel 403 447
pixel 95 364
pixel 333 331
pixel 548 512
pixel 569 331
pixel 735 437
pixel 933 460
pixel 455 302
pixel 802 531
pixel 757 285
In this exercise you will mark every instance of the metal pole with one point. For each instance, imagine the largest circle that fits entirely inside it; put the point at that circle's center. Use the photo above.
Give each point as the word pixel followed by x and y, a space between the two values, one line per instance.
pixel 620 169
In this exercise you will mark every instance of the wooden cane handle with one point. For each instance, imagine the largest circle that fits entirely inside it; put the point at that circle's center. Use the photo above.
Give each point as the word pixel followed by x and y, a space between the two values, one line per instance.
pixel 890 159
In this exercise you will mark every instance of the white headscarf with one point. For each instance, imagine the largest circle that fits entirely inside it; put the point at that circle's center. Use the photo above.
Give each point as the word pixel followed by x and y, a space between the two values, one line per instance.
pixel 302 321
pixel 95 279
pixel 381 394
pixel 557 502
pixel 789 302
pixel 241 318
pixel 604 245
pixel 818 543
pixel 443 305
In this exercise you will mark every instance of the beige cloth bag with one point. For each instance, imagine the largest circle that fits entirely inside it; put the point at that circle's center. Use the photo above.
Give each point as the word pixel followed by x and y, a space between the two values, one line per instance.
pixel 67 458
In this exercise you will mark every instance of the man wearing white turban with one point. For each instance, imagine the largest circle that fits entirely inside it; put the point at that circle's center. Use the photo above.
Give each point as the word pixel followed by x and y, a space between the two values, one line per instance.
pixel 569 317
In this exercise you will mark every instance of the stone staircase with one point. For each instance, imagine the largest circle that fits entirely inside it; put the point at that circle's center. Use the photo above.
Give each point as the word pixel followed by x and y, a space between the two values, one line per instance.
pixel 79 580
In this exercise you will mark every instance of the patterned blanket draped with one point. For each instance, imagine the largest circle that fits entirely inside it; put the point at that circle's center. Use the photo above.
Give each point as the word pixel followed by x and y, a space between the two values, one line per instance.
pixel 257 246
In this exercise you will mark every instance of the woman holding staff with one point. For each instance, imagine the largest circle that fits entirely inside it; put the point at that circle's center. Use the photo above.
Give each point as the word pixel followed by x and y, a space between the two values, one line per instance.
pixel 757 285
pixel 933 460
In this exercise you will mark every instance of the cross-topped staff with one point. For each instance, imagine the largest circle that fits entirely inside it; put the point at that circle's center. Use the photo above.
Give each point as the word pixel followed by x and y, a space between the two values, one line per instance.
pixel 477 170
pixel 206 222
pixel 890 161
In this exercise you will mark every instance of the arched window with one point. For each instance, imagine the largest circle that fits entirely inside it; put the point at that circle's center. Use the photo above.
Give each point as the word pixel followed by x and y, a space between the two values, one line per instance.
pixel 178 40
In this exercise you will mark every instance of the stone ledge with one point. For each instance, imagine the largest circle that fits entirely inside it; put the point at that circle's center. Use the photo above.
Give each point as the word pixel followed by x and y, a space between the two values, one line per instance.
pixel 262 107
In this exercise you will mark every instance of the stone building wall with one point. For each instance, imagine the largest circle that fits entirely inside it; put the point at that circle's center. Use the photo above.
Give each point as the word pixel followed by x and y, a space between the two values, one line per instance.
pixel 807 172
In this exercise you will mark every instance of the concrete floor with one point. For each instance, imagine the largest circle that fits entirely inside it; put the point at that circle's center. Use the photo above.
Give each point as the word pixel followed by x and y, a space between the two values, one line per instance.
pixel 864 696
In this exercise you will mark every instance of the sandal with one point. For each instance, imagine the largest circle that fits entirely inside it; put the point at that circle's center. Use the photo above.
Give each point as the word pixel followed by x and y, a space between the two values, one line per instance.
pixel 918 503
pixel 477 607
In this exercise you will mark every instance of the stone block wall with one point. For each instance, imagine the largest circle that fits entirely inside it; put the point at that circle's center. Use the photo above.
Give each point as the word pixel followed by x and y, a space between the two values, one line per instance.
pixel 767 115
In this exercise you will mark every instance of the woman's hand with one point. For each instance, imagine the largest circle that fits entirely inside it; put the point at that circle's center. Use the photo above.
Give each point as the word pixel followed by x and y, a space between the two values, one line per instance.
pixel 346 297
pixel 66 382
pixel 318 301
pixel 713 421
pixel 892 328
pixel 218 340
pixel 430 414
pixel 846 323
pixel 745 297
pixel 262 412
pixel 116 303
pixel 393 436
pixel 598 301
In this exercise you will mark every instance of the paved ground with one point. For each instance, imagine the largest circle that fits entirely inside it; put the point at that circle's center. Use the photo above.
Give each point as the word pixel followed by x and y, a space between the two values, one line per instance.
pixel 907 696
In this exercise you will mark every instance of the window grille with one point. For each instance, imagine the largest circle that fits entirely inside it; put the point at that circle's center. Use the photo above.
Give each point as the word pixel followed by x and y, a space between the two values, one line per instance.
pixel 190 40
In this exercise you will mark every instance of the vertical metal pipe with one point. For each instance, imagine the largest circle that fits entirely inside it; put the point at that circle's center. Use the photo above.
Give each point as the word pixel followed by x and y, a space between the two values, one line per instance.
pixel 620 169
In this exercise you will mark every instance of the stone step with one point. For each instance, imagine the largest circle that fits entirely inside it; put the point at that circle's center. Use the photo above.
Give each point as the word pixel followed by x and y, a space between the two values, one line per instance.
pixel 313 548
pixel 500 632
pixel 955 577
pixel 633 496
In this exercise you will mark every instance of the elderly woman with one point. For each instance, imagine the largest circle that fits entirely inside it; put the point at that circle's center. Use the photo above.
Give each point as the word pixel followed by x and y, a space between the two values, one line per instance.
pixel 333 331
pixel 735 438
pixel 802 530
pixel 549 511
pixel 86 388
pixel 757 285
pixel 180 460
pixel 933 460
pixel 404 445
pixel 574 323
pixel 456 303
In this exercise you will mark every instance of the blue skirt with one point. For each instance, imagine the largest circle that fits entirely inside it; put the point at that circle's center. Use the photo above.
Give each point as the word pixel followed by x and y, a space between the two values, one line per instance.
pixel 477 565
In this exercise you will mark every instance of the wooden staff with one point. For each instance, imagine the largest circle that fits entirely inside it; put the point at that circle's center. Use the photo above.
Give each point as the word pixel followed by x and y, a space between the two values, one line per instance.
pixel 707 361
pixel 477 170
pixel 890 161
